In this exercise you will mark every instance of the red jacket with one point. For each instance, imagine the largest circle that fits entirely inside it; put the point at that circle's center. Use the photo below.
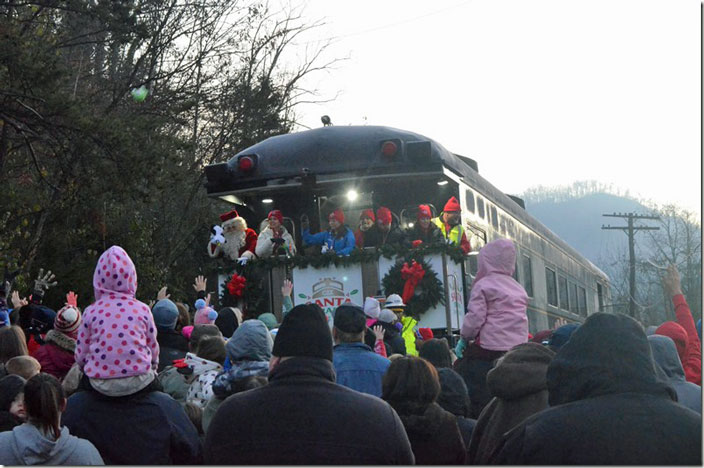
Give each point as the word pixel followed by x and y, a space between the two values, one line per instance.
pixel 56 357
pixel 250 241
pixel 684 334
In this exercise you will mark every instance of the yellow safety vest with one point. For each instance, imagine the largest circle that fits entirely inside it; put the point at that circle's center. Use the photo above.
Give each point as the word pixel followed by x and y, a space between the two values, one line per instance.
pixel 409 336
pixel 456 232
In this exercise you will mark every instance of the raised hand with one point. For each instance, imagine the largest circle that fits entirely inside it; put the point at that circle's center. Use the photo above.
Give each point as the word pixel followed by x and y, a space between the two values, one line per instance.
pixel 378 332
pixel 287 288
pixel 17 302
pixel 200 283
pixel 671 281
pixel 72 299
pixel 162 294
pixel 44 281
pixel 559 322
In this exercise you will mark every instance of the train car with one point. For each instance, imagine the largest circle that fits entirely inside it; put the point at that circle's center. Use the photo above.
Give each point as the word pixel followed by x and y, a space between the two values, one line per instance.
pixel 310 173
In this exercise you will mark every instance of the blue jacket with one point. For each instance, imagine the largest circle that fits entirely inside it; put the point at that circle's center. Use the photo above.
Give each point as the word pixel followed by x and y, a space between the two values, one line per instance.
pixel 359 368
pixel 341 245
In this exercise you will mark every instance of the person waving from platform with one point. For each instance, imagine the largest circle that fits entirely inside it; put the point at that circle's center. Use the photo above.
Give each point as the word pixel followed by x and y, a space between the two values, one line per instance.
pixel 339 238
pixel 274 237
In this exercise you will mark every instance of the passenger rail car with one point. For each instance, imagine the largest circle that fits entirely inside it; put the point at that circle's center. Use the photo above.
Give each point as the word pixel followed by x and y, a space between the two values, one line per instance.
pixel 358 167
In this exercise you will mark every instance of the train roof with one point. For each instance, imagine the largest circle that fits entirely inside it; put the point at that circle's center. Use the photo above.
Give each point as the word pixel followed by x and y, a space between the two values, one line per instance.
pixel 357 150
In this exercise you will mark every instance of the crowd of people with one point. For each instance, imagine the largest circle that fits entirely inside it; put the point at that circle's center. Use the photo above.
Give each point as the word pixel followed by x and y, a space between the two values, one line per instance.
pixel 238 242
pixel 125 382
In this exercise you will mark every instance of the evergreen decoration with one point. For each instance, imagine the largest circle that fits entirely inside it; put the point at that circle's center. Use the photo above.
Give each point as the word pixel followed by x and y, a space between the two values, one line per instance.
pixel 256 271
pixel 429 291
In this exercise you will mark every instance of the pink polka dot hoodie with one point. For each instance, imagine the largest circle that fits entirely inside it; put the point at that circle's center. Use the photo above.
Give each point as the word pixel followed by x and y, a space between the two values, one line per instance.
pixel 117 337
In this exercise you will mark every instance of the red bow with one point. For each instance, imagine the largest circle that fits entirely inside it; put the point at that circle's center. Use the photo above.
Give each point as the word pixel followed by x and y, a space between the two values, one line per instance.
pixel 412 275
pixel 236 285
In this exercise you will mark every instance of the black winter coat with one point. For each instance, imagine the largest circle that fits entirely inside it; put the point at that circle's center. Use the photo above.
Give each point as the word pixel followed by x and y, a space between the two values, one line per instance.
pixel 146 428
pixel 172 345
pixel 394 342
pixel 607 407
pixel 303 417
pixel 435 437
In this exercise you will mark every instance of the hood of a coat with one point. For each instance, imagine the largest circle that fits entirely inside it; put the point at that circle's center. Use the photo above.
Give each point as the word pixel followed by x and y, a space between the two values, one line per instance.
pixel 608 354
pixel 250 342
pixel 666 358
pixel 33 448
pixel 454 396
pixel 498 257
pixel 678 334
pixel 428 423
pixel 114 273
pixel 520 372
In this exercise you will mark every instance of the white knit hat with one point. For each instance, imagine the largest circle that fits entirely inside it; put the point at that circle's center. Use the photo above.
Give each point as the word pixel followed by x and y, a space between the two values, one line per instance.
pixel 67 320
pixel 387 316
pixel 371 308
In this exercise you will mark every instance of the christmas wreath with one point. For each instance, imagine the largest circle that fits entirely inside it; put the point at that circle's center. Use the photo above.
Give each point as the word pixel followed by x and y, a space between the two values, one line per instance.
pixel 417 281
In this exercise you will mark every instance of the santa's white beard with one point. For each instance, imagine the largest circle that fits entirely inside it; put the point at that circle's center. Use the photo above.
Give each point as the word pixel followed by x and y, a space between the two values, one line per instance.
pixel 234 241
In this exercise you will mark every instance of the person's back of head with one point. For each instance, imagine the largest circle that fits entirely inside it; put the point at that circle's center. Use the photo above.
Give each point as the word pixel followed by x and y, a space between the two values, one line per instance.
pixel 212 348
pixel 520 372
pixel 250 342
pixel 10 387
pixel 678 334
pixel 166 314
pixel 437 352
pixel 184 316
pixel 561 335
pixel 200 331
pixel 454 396
pixel 44 401
pixel 304 332
pixel 349 324
pixel 229 318
pixel 13 342
pixel 410 385
pixel 24 366
pixel 195 415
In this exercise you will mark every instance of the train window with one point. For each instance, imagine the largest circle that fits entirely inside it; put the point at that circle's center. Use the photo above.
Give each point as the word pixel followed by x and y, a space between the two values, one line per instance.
pixel 573 297
pixel 494 217
pixel 469 200
pixel 582 301
pixel 551 286
pixel 527 276
pixel 564 295
pixel 600 296
pixel 502 223
pixel 480 206
pixel 511 228
pixel 515 270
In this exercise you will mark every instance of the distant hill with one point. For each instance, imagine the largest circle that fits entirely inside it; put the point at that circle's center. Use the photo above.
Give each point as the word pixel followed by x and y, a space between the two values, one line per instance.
pixel 578 220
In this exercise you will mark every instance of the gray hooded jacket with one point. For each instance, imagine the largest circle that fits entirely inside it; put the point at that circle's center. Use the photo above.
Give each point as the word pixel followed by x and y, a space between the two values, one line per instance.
pixel 26 445
pixel 668 367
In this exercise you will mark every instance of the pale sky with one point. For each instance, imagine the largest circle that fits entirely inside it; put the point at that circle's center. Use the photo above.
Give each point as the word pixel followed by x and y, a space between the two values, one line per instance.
pixel 537 92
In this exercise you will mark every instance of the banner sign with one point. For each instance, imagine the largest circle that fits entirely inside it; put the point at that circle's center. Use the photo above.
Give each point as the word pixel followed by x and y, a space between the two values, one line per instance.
pixel 328 287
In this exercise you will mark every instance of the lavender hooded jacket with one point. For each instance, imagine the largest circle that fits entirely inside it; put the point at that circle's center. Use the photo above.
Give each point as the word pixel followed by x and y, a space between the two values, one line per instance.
pixel 117 337
pixel 496 314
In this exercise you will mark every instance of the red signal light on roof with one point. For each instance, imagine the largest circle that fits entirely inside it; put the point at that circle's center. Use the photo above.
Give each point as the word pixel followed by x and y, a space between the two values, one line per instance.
pixel 389 148
pixel 246 163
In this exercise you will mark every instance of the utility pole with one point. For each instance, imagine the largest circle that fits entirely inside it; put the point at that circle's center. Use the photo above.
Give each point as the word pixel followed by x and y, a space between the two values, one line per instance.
pixel 630 230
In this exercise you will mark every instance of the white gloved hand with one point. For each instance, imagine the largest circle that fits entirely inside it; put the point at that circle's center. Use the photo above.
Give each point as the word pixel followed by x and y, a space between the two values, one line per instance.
pixel 242 260
pixel 324 249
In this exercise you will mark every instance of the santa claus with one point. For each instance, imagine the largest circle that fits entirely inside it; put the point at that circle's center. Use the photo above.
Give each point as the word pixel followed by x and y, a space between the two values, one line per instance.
pixel 240 241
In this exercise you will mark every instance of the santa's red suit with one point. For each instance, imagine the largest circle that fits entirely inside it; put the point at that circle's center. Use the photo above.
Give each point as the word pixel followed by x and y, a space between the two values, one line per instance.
pixel 240 241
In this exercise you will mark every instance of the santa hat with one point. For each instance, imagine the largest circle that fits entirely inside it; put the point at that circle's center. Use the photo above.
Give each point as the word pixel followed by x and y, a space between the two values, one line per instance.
pixel 367 214
pixel 426 333
pixel 229 215
pixel 338 216
pixel 67 320
pixel 276 214
pixel 452 205
pixel 383 214
pixel 424 212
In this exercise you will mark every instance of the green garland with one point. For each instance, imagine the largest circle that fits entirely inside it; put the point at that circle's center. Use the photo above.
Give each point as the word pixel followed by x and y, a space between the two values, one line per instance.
pixel 257 299
pixel 429 292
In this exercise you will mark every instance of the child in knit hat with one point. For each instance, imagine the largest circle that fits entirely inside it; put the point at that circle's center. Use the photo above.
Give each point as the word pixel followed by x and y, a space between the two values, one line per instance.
pixel 116 346
pixel 56 356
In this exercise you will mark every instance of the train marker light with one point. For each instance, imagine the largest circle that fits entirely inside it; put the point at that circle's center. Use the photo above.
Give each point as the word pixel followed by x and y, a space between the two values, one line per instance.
pixel 246 163
pixel 352 195
pixel 443 182
pixel 389 148
pixel 267 200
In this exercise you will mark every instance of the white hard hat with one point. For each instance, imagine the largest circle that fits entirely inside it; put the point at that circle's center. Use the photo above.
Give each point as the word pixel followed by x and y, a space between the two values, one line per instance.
pixel 371 307
pixel 394 301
